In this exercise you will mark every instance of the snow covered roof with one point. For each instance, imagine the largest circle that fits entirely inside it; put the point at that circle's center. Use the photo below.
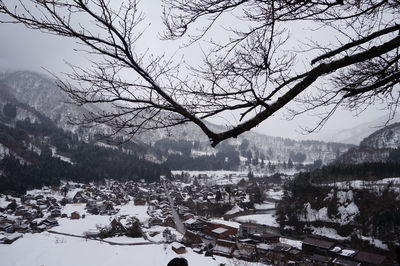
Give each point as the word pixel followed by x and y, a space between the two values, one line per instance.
pixel 348 252
pixel 227 223
pixel 222 249
pixel 177 245
pixel 190 221
pixel 219 230
pixel 265 246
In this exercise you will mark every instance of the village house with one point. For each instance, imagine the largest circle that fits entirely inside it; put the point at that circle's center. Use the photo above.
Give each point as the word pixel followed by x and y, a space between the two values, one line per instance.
pixel 279 254
pixel 246 229
pixel 344 262
pixel 317 246
pixel 169 221
pixel 192 239
pixel 9 239
pixel 224 248
pixel 245 251
pixel 370 259
pixel 153 221
pixel 178 248
pixel 139 202
pixel 320 260
pixel 265 238
pixel 80 197
pixel 217 230
pixel 75 216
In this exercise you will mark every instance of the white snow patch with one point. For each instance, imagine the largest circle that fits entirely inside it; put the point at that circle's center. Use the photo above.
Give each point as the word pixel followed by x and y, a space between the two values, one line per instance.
pixel 376 242
pixel 234 210
pixel 294 243
pixel 327 232
pixel 228 223
pixel 54 250
pixel 266 219
pixel 264 206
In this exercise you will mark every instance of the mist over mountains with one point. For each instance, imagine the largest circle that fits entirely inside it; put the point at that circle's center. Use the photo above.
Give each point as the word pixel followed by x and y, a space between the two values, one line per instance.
pixel 41 95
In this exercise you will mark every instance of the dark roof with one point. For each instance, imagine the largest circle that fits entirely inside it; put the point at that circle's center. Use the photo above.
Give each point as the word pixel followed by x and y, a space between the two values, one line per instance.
pixel 320 258
pixel 344 262
pixel 282 247
pixel 225 243
pixel 267 235
pixel 368 257
pixel 318 243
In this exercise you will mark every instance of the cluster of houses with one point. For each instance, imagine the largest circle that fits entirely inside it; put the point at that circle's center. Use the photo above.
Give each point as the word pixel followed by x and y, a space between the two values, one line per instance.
pixel 28 214
pixel 255 242
pixel 250 242
pixel 39 212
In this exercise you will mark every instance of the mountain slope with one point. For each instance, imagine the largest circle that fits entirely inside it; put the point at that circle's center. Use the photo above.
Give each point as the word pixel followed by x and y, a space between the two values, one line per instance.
pixel 380 146
pixel 41 93
pixel 356 134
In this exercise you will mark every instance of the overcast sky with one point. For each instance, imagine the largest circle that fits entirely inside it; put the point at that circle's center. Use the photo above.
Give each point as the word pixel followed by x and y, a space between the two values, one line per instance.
pixel 22 48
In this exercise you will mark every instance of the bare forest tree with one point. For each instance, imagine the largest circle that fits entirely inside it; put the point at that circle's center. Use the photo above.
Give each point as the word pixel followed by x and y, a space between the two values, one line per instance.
pixel 252 71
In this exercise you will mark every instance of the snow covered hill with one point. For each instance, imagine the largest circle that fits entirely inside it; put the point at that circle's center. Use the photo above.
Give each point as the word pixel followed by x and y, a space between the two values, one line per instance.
pixel 377 147
pixel 41 93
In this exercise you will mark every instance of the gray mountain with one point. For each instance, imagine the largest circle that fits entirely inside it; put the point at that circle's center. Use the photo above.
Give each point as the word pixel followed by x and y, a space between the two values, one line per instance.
pixel 356 134
pixel 376 147
pixel 41 93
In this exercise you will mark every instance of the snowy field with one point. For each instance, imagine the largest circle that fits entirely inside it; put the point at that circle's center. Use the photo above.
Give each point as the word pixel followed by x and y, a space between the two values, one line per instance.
pixel 265 206
pixel 266 219
pixel 54 250
pixel 274 194
pixel 219 177
pixel 377 185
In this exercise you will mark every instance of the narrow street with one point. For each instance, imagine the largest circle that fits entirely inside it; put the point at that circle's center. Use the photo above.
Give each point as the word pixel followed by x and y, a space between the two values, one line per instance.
pixel 179 225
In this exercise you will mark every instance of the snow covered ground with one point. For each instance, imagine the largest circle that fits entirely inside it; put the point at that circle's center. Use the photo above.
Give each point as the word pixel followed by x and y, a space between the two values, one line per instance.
pixel 274 194
pixel 54 250
pixel 139 212
pixel 218 177
pixel 126 239
pixel 266 219
pixel 327 232
pixel 80 226
pixel 294 243
pixel 376 186
pixel 234 210
pixel 265 206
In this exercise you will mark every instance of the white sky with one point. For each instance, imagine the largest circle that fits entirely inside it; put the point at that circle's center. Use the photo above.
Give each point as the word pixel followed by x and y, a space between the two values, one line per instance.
pixel 22 48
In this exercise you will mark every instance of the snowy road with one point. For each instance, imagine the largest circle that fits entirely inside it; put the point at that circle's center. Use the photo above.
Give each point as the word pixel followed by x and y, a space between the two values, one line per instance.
pixel 179 225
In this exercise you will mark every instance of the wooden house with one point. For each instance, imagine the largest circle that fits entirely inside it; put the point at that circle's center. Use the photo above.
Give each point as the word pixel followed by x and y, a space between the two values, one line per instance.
pixel 155 221
pixel 139 202
pixel 192 238
pixel 245 251
pixel 320 260
pixel 345 262
pixel 246 229
pixel 117 226
pixel 279 255
pixel 317 246
pixel 224 248
pixel 169 221
pixel 80 197
pixel 178 248
pixel 217 230
pixel 370 259
pixel 265 238
pixel 194 224
pixel 9 239
pixel 75 216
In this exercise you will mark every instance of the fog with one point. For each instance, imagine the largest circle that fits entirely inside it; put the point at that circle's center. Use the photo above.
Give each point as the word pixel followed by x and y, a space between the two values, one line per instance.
pixel 26 49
